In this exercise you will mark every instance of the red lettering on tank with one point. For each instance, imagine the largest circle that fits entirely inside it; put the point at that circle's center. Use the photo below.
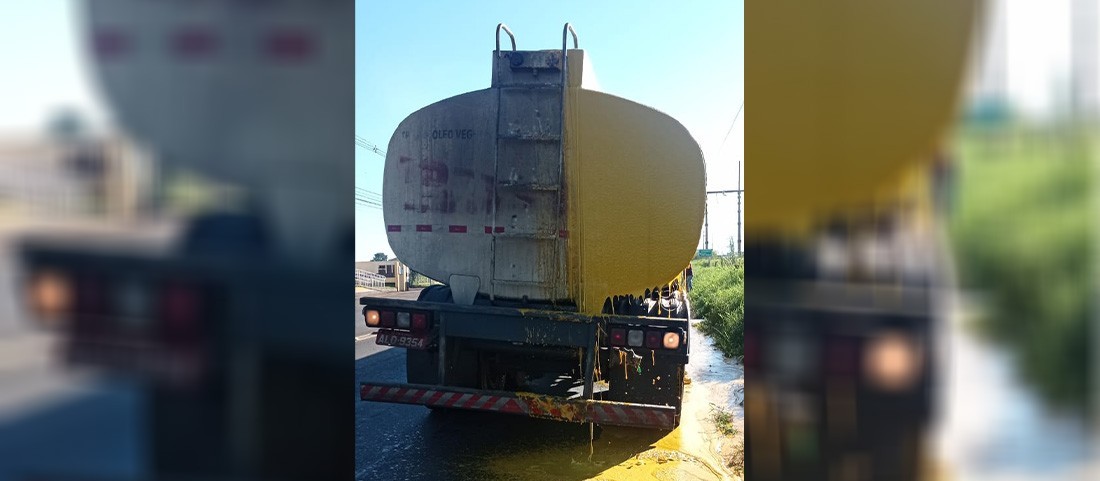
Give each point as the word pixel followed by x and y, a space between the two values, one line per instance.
pixel 433 173
pixel 449 202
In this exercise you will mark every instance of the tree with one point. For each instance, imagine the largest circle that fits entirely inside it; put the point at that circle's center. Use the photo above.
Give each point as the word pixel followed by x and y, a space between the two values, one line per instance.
pixel 380 256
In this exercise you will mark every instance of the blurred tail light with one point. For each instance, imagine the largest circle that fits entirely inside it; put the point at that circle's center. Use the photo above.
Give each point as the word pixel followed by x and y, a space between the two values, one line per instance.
pixel 133 301
pixel 180 308
pixel 634 338
pixel 50 296
pixel 403 320
pixel 841 357
pixel 419 321
pixel 893 361
pixel 672 340
pixel 371 316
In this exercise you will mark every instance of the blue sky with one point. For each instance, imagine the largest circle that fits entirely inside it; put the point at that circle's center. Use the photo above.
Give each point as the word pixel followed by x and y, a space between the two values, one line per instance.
pixel 683 58
pixel 42 67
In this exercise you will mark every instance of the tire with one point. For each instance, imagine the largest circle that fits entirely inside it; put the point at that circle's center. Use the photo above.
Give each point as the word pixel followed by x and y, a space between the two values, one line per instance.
pixel 436 293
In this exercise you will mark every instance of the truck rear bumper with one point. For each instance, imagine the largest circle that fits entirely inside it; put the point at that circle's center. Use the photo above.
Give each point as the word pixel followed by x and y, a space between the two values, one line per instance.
pixel 533 405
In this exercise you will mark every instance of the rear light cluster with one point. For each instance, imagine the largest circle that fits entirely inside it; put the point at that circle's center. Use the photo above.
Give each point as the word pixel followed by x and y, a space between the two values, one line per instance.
pixel 837 356
pixel 411 320
pixel 648 338
pixel 174 309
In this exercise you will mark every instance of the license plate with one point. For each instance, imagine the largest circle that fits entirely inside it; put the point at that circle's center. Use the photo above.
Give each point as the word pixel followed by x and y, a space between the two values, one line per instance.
pixel 401 339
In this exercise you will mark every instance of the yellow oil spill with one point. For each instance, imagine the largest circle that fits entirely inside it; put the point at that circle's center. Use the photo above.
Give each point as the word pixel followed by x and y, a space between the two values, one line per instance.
pixel 620 454
pixel 622 361
pixel 572 411
pixel 854 94
pixel 626 162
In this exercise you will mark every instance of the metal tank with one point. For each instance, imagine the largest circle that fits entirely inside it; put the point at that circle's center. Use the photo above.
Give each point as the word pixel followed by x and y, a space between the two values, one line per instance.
pixel 251 93
pixel 539 188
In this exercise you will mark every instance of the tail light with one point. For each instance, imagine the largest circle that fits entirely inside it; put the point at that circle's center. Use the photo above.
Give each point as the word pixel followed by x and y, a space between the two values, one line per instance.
pixel 419 321
pixel 404 320
pixel 618 337
pixel 671 340
pixel 370 316
pixel 654 339
pixel 634 338
pixel 386 318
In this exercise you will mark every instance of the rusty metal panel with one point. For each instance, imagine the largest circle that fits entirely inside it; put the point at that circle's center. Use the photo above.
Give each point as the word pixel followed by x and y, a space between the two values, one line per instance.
pixel 530 113
pixel 526 164
pixel 531 68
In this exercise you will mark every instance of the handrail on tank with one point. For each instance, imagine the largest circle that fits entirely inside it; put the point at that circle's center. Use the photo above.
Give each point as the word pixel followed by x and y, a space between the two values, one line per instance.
pixel 565 31
pixel 510 36
pixel 568 29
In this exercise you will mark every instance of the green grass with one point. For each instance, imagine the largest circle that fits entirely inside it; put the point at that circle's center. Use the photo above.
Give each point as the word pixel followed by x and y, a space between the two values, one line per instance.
pixel 718 297
pixel 723 420
pixel 1021 235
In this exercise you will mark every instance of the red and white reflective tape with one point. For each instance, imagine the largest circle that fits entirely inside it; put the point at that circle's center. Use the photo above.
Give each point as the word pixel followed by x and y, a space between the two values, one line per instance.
pixel 549 407
pixel 442 398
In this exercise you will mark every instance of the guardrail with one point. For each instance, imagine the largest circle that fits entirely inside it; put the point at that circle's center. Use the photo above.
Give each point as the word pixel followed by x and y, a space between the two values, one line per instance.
pixel 369 280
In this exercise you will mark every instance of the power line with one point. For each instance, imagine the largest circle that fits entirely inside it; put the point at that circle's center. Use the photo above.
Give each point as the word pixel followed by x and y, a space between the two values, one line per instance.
pixel 361 142
pixel 732 123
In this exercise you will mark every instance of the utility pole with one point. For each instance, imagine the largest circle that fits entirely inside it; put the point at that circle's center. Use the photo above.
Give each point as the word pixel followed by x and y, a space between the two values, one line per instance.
pixel 706 216
pixel 706 224
pixel 740 192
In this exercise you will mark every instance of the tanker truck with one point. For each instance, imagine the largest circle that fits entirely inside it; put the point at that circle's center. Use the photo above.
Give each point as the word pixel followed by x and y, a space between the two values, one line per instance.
pixel 845 265
pixel 229 326
pixel 559 296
